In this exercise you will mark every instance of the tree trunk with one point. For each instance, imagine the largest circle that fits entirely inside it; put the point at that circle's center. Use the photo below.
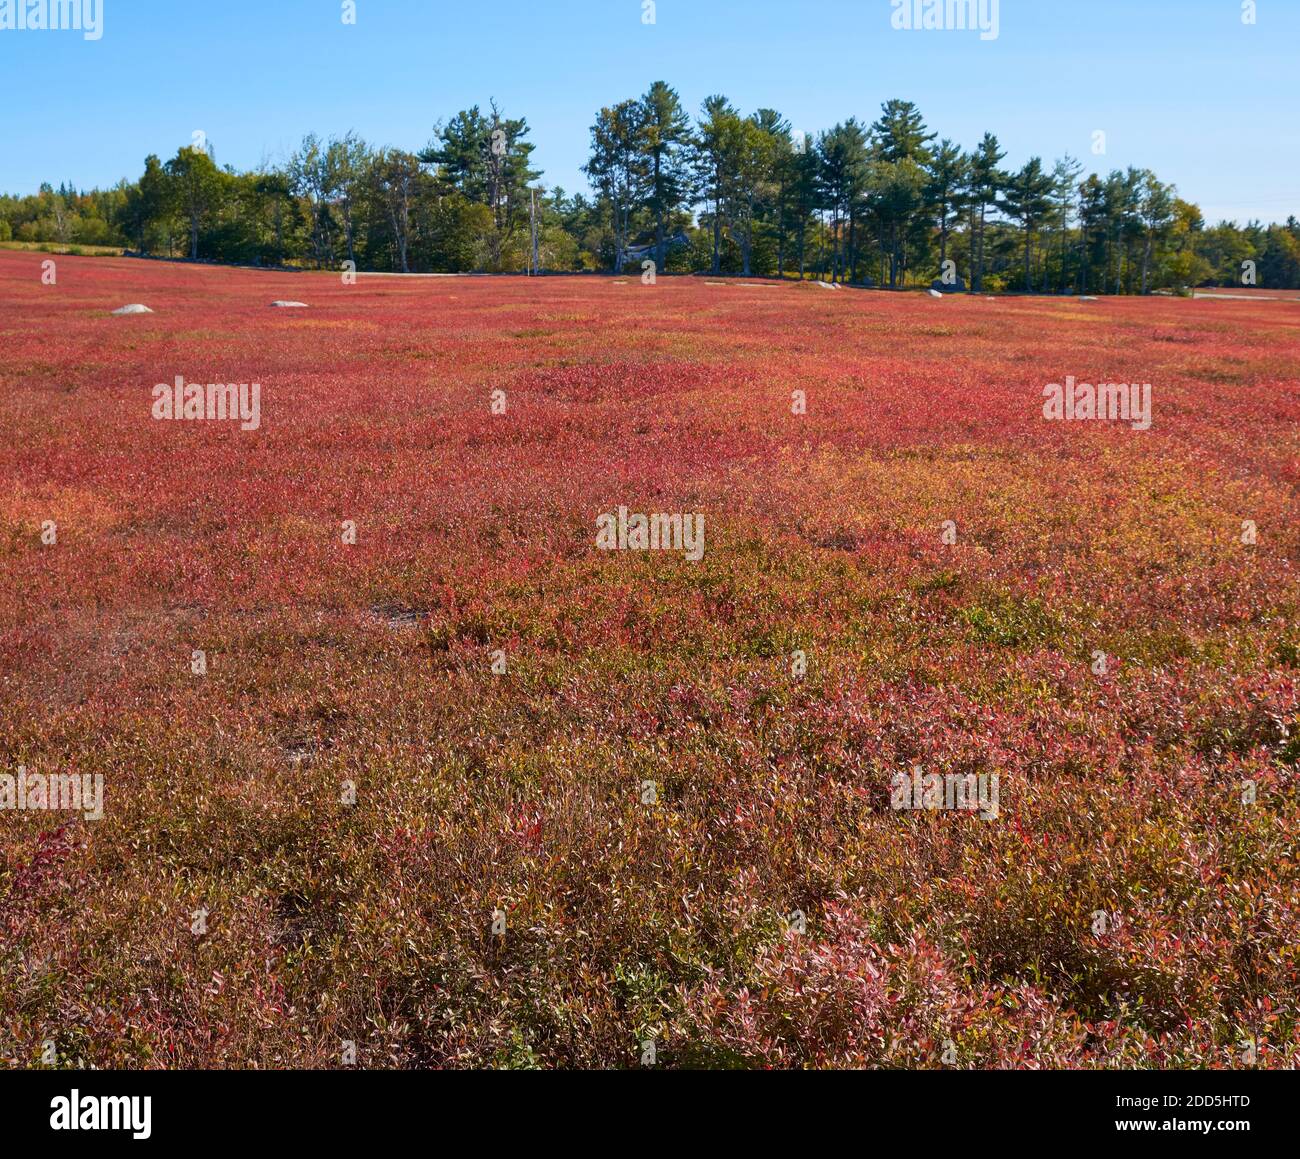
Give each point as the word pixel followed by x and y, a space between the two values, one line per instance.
pixel 717 222
pixel 399 235
pixel 853 247
pixel 780 231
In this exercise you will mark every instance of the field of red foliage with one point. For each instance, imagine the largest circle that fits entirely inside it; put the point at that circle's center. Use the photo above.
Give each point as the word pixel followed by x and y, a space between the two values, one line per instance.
pixel 393 755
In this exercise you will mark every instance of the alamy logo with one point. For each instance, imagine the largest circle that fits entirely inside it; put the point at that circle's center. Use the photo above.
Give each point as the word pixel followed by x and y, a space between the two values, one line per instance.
pixel 948 16
pixel 624 532
pixel 57 792
pixel 1128 402
pixel 84 16
pixel 968 792
pixel 78 1112
pixel 215 401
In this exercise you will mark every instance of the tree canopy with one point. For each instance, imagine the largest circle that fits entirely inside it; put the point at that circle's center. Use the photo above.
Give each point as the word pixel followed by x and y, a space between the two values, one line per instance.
pixel 884 202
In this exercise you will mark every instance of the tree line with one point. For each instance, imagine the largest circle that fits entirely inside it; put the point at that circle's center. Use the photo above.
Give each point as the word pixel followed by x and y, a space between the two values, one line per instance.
pixel 885 203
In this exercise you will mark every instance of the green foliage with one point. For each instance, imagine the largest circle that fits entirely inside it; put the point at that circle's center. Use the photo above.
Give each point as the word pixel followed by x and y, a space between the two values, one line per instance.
pixel 729 193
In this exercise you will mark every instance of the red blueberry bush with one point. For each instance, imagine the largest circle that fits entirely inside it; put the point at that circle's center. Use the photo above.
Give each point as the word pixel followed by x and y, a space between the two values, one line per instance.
pixel 395 844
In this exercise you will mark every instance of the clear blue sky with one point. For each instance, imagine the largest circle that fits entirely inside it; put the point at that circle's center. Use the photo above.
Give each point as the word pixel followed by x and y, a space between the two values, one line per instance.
pixel 1180 86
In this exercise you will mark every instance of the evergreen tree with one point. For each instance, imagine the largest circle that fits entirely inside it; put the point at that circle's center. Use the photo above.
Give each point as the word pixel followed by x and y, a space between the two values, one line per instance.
pixel 666 139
